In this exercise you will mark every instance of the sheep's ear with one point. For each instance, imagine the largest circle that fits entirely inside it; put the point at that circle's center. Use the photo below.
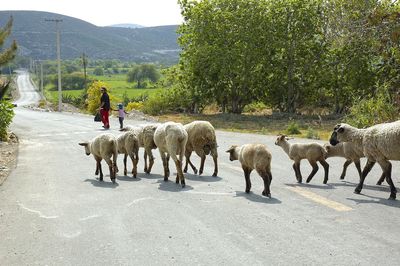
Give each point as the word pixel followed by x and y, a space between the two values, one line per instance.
pixel 83 143
pixel 230 149
pixel 340 130
pixel 336 127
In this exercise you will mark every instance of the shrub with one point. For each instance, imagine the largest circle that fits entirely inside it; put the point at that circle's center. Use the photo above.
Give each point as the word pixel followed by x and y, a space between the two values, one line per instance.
pixel 6 116
pixel 168 100
pixel 134 106
pixel 94 95
pixel 312 134
pixel 368 112
pixel 254 107
pixel 293 128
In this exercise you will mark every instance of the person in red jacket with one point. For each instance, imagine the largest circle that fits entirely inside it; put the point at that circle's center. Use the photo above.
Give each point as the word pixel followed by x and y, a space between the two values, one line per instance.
pixel 105 107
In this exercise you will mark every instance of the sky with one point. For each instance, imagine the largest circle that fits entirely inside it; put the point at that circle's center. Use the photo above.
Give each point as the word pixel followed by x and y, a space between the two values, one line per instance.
pixel 105 13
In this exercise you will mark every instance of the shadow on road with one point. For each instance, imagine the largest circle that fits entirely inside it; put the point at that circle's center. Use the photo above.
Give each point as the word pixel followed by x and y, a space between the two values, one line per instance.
pixel 128 178
pixel 171 186
pixel 257 198
pixel 369 187
pixel 204 178
pixel 376 200
pixel 150 176
pixel 327 186
pixel 104 184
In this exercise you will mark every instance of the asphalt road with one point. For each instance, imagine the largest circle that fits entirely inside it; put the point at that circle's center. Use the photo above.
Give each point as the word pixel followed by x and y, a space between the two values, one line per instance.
pixel 53 211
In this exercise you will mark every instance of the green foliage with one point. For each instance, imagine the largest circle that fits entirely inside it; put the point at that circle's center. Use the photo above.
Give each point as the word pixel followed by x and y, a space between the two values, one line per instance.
pixel 312 134
pixel 141 73
pixel 371 111
pixel 293 128
pixel 9 53
pixel 98 71
pixel 168 100
pixel 6 116
pixel 254 107
pixel 74 81
pixel 134 106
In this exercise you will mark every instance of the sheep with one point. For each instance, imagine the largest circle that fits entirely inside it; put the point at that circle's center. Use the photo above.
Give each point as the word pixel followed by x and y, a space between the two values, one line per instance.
pixel 171 138
pixel 202 140
pixel 128 145
pixel 253 156
pixel 352 153
pixel 103 146
pixel 313 152
pixel 380 143
pixel 145 135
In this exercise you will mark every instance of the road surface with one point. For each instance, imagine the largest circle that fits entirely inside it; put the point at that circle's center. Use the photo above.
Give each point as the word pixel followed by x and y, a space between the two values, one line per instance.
pixel 53 211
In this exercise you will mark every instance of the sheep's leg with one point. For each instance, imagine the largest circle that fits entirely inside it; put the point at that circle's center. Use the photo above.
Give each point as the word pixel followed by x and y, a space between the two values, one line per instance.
pixel 188 162
pixel 358 166
pixel 313 172
pixel 145 161
pixel 387 169
pixel 381 179
pixel 179 172
pixel 296 168
pixel 215 159
pixel 267 181
pixel 165 165
pixel 367 168
pixel 151 161
pixel 125 170
pixel 325 165
pixel 98 168
pixel 134 160
pixel 247 172
pixel 203 159
pixel 345 165
pixel 111 168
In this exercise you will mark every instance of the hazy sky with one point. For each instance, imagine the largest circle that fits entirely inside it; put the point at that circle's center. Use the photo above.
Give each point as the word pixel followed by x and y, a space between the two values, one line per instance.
pixel 104 13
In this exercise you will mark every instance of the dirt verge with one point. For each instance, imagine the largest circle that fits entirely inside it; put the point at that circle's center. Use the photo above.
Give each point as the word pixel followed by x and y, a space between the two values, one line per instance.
pixel 8 156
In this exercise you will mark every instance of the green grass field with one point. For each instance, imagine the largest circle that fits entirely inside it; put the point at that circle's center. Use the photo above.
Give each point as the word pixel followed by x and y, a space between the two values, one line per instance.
pixel 117 86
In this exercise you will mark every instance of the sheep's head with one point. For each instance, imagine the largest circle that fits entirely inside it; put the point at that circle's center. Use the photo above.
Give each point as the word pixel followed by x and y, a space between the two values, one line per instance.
pixel 233 154
pixel 281 139
pixel 340 133
pixel 86 145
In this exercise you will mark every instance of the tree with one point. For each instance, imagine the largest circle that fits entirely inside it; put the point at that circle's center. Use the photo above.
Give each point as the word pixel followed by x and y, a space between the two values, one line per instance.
pixel 143 72
pixel 6 111
pixel 98 71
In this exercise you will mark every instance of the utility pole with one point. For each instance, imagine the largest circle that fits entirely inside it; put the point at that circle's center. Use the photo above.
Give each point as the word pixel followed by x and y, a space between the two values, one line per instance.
pixel 58 62
pixel 41 79
pixel 84 62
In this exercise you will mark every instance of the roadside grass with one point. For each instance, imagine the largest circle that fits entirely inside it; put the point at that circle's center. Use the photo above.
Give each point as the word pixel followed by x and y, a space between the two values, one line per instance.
pixel 266 125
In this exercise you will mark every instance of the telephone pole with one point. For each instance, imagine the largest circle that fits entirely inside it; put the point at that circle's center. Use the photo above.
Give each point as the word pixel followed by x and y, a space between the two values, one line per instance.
pixel 58 61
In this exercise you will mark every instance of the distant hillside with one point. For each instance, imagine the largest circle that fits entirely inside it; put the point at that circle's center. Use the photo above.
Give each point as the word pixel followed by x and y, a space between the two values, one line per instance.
pixel 127 25
pixel 37 39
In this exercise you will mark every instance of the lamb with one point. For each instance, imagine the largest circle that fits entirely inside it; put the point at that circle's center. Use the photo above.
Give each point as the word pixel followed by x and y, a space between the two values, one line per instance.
pixel 380 143
pixel 352 153
pixel 313 152
pixel 202 140
pixel 128 145
pixel 145 135
pixel 103 146
pixel 171 139
pixel 254 156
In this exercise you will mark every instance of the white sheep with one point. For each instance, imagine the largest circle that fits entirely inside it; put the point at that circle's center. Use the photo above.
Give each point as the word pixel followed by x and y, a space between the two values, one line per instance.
pixel 313 152
pixel 103 146
pixel 145 135
pixel 202 140
pixel 380 144
pixel 352 153
pixel 254 156
pixel 171 138
pixel 128 145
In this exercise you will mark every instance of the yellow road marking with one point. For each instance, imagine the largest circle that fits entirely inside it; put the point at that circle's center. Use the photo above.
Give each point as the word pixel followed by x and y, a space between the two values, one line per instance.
pixel 321 200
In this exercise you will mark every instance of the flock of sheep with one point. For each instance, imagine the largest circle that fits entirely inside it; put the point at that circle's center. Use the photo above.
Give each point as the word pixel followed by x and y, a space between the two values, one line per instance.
pixel 379 143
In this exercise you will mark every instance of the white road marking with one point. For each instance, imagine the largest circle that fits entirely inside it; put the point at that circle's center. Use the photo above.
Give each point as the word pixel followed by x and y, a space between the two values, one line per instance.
pixel 89 217
pixel 210 193
pixel 37 212
pixel 138 200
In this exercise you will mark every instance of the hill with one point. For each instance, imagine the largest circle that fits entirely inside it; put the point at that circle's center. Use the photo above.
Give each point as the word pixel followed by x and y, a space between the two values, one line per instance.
pixel 37 39
pixel 126 25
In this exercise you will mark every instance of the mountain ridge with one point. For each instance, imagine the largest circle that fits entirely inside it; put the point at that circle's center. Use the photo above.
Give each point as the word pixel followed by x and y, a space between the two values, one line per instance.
pixel 37 39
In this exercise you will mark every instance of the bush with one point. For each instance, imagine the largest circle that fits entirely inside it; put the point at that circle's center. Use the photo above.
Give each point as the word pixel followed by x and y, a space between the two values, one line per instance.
pixel 168 100
pixel 312 134
pixel 94 95
pixel 6 116
pixel 134 106
pixel 293 128
pixel 368 112
pixel 254 107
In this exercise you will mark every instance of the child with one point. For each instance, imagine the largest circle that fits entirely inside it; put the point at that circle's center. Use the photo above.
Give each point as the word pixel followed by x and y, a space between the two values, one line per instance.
pixel 121 115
